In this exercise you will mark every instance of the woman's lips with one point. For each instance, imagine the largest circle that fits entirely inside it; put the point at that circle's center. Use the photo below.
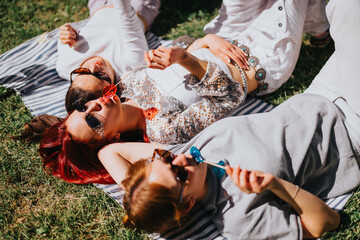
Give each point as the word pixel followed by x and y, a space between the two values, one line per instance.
pixel 108 100
pixel 104 100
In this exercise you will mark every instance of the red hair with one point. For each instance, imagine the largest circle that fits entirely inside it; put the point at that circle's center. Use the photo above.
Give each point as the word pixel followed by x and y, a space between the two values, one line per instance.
pixel 72 160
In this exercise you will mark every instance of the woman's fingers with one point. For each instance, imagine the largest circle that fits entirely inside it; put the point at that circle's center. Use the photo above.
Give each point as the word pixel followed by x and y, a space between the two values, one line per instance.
pixel 224 57
pixel 236 176
pixel 239 57
pixel 67 35
pixel 147 59
pixel 159 58
pixel 239 177
pixel 228 170
pixel 155 58
pixel 254 183
pixel 244 181
pixel 242 54
pixel 151 59
pixel 247 181
pixel 236 59
pixel 69 42
pixel 230 52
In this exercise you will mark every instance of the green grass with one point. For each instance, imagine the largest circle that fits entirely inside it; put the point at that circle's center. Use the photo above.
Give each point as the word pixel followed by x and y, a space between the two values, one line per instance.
pixel 34 205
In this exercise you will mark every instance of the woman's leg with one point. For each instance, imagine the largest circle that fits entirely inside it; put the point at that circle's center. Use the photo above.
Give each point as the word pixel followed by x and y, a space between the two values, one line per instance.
pixel 344 18
pixel 94 5
pixel 316 21
pixel 338 77
pixel 147 9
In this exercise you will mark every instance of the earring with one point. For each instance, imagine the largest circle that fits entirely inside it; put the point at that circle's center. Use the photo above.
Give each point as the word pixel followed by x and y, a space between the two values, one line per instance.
pixel 117 137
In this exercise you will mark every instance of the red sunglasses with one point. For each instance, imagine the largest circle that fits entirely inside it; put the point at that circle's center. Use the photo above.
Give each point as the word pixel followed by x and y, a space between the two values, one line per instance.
pixel 85 71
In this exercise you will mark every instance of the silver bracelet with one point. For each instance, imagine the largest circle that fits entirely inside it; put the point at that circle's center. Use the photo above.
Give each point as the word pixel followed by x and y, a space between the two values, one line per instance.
pixel 243 78
pixel 296 192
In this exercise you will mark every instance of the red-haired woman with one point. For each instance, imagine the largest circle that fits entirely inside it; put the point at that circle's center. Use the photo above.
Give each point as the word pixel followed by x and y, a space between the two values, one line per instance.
pixel 151 113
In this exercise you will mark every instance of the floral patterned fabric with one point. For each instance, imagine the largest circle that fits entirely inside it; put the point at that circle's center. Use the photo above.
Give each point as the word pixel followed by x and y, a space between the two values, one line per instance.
pixel 176 123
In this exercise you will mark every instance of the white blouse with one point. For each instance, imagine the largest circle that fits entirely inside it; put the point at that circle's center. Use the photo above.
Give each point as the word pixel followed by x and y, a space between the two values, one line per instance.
pixel 272 30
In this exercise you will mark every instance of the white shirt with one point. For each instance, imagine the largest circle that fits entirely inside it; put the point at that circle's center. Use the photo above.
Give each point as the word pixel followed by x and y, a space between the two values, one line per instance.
pixel 271 29
pixel 115 34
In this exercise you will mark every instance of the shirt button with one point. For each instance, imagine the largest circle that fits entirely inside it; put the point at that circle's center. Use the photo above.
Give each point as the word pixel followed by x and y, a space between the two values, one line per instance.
pixel 280 8
pixel 280 24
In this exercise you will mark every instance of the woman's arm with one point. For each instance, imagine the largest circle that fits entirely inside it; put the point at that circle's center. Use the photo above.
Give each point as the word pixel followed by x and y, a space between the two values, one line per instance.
pixel 117 157
pixel 221 48
pixel 316 217
pixel 163 57
pixel 147 10
pixel 133 38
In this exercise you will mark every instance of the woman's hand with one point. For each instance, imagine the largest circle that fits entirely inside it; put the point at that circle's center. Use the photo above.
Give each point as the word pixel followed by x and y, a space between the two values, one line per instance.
pixel 67 35
pixel 163 57
pixel 224 50
pixel 250 181
pixel 316 217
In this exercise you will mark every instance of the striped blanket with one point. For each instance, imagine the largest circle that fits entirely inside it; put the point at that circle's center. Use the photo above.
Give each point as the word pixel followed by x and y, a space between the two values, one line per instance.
pixel 29 69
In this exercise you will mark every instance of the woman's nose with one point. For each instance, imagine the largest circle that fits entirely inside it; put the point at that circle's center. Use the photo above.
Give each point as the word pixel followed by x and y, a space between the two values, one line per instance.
pixel 94 67
pixel 93 106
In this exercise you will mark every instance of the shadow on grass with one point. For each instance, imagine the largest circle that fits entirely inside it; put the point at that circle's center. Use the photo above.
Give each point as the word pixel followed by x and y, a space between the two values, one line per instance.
pixel 175 12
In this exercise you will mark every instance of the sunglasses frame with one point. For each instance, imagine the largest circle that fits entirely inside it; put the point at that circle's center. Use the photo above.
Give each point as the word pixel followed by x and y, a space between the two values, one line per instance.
pixel 91 121
pixel 181 174
pixel 88 72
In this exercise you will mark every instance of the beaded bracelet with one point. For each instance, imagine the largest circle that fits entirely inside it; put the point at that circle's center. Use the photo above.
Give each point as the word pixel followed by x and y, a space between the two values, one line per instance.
pixel 243 78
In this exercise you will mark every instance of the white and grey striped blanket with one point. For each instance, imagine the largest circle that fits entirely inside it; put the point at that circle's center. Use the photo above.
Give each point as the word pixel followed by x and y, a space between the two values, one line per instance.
pixel 29 69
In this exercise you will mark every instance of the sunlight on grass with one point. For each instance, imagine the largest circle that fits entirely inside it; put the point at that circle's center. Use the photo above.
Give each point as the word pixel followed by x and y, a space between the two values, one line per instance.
pixel 36 205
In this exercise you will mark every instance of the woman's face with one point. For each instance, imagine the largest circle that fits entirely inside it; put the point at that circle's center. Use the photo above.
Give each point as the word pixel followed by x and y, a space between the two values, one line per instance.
pixel 90 82
pixel 105 110
pixel 161 173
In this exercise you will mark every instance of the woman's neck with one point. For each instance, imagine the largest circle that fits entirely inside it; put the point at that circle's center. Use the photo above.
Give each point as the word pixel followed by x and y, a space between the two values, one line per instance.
pixel 204 192
pixel 133 117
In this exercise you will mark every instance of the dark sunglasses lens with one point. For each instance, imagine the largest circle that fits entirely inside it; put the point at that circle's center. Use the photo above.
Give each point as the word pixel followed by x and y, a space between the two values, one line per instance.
pixel 92 121
pixel 181 173
pixel 102 76
pixel 79 106
pixel 167 156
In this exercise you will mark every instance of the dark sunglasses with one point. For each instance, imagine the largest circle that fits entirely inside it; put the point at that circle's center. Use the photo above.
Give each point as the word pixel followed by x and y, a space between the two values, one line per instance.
pixel 101 75
pixel 91 120
pixel 181 174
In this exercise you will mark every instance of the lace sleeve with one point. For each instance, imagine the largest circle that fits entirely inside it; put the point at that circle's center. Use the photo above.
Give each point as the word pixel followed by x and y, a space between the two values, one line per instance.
pixel 215 83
